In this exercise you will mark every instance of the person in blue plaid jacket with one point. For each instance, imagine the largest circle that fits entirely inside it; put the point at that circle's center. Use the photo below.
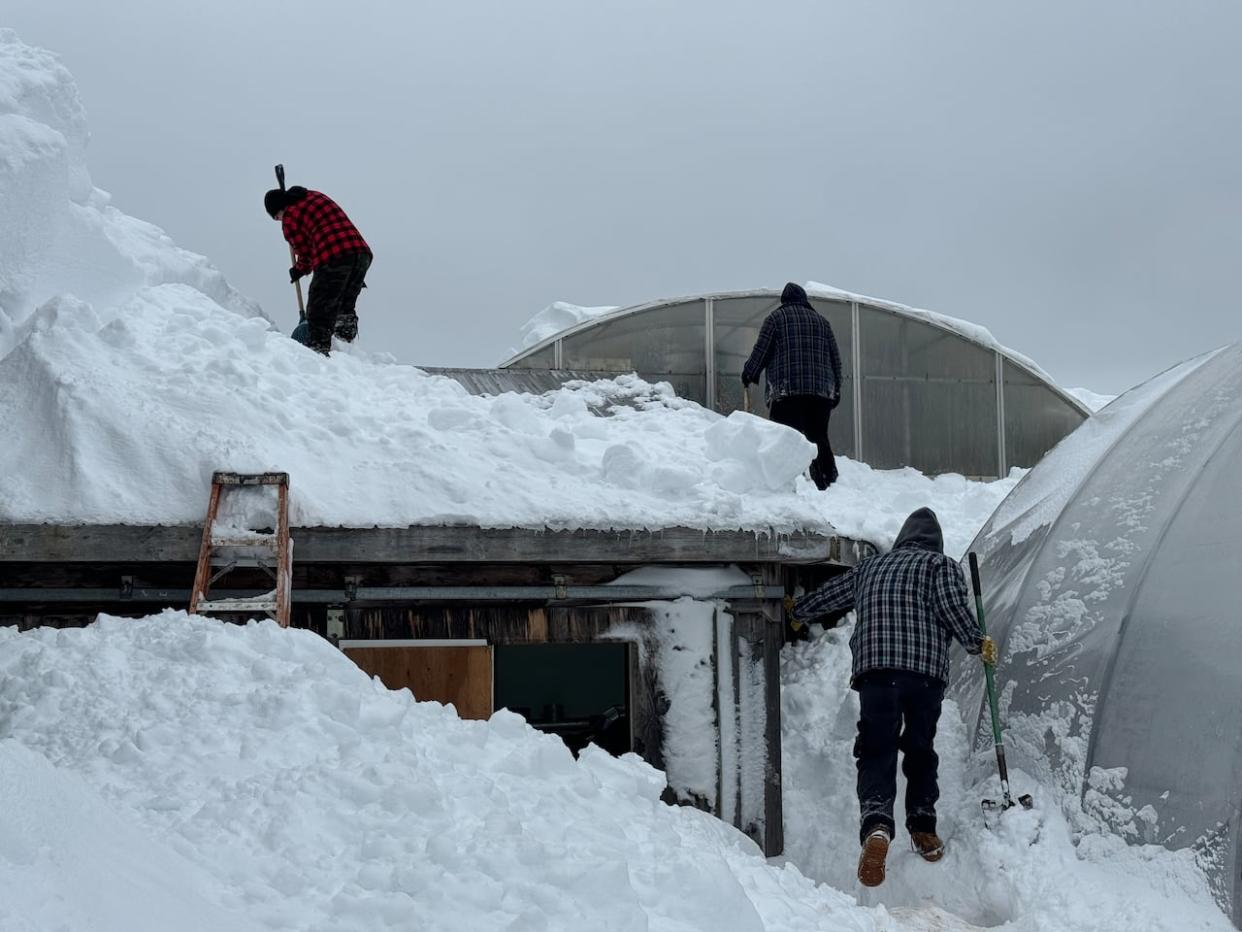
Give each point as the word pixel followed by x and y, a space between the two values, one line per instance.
pixel 798 350
pixel 910 603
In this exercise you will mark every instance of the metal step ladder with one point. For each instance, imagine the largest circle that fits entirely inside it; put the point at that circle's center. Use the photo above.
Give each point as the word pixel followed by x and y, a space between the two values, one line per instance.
pixel 222 552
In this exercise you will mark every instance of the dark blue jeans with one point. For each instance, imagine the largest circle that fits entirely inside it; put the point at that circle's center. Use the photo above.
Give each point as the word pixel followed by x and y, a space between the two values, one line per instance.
pixel 899 711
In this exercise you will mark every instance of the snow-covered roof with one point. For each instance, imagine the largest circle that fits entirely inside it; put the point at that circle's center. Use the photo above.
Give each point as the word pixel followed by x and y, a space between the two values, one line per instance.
pixel 130 371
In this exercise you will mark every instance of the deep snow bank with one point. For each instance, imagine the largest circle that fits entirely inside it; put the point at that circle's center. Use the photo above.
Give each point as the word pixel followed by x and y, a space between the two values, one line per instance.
pixel 60 234
pixel 270 779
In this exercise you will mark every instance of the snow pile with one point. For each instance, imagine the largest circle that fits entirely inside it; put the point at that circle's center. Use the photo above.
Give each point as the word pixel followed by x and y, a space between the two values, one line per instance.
pixel 269 784
pixel 60 235
pixel 124 422
pixel 1093 401
pixel 1050 869
pixel 557 316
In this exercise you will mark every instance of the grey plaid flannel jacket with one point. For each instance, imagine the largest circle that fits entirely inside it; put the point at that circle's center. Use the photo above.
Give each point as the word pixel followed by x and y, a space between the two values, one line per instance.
pixel 909 602
pixel 798 349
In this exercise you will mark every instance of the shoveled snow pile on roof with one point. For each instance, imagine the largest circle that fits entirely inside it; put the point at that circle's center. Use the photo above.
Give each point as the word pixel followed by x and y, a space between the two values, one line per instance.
pixel 60 235
pixel 130 371
pixel 180 773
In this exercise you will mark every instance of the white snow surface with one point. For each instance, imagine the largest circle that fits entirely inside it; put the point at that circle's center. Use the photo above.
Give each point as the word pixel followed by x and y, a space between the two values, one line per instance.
pixel 254 778
pixel 557 316
pixel 1093 400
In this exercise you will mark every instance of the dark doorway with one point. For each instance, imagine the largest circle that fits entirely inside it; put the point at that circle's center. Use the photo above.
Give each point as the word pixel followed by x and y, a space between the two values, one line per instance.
pixel 580 692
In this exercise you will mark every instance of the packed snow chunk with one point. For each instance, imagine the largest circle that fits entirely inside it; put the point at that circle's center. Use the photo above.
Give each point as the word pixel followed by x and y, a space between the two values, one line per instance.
pixel 748 448
pixel 557 316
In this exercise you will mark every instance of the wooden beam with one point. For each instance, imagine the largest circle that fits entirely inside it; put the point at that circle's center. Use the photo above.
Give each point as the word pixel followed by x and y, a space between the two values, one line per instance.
pixel 54 543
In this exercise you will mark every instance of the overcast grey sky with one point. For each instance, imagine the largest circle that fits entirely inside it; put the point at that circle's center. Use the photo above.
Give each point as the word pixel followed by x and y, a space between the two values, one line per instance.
pixel 1067 174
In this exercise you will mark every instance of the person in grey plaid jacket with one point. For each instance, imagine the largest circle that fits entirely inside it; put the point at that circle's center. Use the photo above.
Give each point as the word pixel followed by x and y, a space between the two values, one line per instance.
pixel 910 602
pixel 798 351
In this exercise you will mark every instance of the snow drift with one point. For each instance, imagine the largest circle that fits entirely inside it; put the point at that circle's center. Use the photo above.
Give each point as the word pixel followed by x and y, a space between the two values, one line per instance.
pixel 261 773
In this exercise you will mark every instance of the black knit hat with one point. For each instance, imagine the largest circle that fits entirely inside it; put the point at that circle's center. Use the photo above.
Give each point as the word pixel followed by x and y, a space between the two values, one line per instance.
pixel 274 201
pixel 794 294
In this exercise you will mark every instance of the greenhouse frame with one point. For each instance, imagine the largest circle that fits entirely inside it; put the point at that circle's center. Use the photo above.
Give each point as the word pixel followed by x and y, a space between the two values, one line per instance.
pixel 935 394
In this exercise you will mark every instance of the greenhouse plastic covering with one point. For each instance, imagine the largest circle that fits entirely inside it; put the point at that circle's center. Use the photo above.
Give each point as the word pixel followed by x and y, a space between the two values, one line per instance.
pixel 1112 584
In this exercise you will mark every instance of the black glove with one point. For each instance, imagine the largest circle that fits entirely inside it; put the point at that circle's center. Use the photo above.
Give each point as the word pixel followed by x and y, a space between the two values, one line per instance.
pixel 745 384
pixel 294 274
pixel 834 399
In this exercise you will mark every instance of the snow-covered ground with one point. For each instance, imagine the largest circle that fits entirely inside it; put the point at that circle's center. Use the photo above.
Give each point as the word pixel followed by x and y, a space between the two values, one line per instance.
pixel 180 773
pixel 1027 870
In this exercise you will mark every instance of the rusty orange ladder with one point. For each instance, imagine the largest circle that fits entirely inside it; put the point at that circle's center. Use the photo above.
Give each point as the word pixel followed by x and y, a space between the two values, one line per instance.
pixel 272 552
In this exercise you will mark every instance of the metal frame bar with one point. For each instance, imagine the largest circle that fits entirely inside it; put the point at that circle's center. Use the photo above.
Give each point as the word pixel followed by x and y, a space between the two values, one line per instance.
pixel 610 594
pixel 1002 468
pixel 856 351
pixel 709 352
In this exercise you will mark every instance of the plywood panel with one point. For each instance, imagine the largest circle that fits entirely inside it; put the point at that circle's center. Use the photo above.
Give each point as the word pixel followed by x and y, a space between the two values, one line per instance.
pixel 461 676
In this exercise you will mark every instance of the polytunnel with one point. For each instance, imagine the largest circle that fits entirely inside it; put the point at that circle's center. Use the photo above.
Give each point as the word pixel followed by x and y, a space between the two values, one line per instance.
pixel 1112 584
pixel 920 389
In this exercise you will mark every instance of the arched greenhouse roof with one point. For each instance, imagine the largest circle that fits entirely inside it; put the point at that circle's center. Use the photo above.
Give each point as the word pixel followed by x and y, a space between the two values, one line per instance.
pixel 937 393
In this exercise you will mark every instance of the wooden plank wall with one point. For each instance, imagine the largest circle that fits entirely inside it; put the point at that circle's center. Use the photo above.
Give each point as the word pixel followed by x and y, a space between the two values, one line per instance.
pixel 460 676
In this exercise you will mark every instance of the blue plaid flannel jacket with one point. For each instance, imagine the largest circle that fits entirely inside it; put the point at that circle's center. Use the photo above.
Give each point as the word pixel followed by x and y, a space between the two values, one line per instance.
pixel 909 602
pixel 798 349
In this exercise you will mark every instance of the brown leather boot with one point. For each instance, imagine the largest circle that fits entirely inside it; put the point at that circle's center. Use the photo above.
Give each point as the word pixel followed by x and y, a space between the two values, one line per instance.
pixel 871 859
pixel 928 845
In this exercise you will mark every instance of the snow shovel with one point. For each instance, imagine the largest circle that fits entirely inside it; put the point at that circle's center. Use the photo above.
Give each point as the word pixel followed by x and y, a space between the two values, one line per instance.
pixel 746 398
pixel 301 332
pixel 1006 801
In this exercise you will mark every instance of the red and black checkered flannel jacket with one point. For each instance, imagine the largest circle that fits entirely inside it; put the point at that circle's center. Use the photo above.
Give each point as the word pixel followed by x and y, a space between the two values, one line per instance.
pixel 319 231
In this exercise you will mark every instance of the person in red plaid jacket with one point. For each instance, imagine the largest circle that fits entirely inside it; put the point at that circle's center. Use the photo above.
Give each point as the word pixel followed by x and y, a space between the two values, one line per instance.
pixel 326 242
pixel 910 603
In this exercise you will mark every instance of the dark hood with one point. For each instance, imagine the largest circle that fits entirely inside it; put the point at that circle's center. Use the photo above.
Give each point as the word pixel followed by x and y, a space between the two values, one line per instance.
pixel 921 530
pixel 794 294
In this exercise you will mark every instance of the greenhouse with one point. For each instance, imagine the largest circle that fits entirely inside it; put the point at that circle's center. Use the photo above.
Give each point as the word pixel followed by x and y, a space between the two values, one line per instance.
pixel 937 394
pixel 1111 583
